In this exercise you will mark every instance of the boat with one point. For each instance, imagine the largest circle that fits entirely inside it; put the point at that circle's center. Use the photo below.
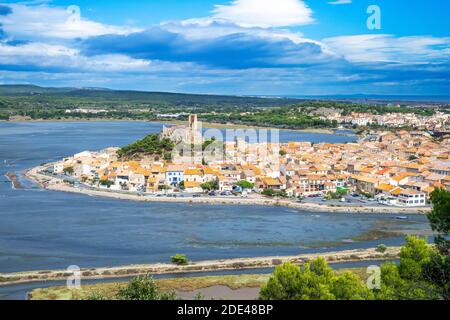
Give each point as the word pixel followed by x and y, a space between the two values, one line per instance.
pixel 401 218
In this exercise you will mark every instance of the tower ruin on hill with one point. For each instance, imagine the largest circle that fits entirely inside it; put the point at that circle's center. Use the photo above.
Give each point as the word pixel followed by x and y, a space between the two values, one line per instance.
pixel 190 134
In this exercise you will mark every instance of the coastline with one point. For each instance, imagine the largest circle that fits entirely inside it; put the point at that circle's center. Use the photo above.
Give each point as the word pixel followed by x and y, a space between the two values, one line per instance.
pixel 207 125
pixel 200 266
pixel 56 184
pixel 12 177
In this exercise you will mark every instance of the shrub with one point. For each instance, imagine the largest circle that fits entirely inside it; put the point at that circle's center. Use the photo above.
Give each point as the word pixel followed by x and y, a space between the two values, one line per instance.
pixel 68 170
pixel 315 281
pixel 106 183
pixel 381 248
pixel 143 288
pixel 244 184
pixel 180 259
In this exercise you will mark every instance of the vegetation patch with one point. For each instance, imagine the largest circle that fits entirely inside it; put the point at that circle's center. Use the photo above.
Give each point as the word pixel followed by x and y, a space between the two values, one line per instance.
pixel 110 290
pixel 151 145
pixel 377 235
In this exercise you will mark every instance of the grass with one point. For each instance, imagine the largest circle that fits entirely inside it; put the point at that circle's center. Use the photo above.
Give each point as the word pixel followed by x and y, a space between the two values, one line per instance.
pixel 109 290
pixel 3 279
pixel 377 235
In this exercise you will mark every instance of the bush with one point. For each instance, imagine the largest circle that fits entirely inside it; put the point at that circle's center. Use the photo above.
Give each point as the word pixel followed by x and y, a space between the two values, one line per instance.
pixel 143 288
pixel 274 193
pixel 151 144
pixel 244 184
pixel 180 259
pixel 68 170
pixel 211 185
pixel 106 183
pixel 315 281
pixel 381 248
pixel 406 281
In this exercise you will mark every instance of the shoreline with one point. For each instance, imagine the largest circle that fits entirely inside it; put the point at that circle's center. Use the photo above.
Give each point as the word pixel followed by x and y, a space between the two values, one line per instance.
pixel 12 177
pixel 207 125
pixel 56 184
pixel 197 267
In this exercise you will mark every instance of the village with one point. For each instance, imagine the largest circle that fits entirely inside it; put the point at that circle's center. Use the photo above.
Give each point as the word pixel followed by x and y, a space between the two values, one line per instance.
pixel 440 121
pixel 396 169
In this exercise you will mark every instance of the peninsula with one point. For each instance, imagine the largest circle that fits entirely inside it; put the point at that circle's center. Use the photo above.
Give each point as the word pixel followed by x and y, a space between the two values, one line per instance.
pixel 384 172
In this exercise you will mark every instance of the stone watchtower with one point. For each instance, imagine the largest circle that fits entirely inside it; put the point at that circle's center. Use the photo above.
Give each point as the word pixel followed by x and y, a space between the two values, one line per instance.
pixel 193 134
pixel 193 124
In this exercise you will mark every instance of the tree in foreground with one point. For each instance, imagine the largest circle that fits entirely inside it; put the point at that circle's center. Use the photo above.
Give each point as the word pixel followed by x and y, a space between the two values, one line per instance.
pixel 437 270
pixel 440 219
pixel 406 281
pixel 424 270
pixel 314 281
pixel 143 288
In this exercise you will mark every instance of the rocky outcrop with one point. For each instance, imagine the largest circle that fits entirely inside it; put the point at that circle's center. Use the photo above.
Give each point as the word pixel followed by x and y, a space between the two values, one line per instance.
pixel 14 180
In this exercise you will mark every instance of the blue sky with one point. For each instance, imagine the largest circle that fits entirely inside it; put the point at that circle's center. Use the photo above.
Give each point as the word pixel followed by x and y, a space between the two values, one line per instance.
pixel 248 47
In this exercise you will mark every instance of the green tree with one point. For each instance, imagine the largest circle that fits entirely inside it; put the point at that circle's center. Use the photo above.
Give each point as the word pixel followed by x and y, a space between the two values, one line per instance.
pixel 152 144
pixel 106 183
pixel 437 270
pixel 406 281
pixel 268 192
pixel 163 187
pixel 314 281
pixel 210 185
pixel 349 286
pixel 179 259
pixel 394 287
pixel 381 248
pixel 413 256
pixel 440 219
pixel 143 288
pixel 244 184
pixel 68 170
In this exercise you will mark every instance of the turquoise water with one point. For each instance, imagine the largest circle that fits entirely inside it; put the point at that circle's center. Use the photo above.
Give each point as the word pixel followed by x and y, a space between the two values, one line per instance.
pixel 42 229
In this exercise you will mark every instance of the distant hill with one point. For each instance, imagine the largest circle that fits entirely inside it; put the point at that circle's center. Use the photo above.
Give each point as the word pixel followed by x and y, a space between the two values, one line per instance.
pixel 161 98
pixel 380 99
pixel 25 89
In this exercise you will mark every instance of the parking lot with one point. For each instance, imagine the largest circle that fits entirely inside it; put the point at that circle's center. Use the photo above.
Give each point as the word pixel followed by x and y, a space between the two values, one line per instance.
pixel 350 201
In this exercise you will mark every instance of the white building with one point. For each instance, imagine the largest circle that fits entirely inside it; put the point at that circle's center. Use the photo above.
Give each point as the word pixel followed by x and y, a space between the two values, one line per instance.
pixel 174 175
pixel 412 198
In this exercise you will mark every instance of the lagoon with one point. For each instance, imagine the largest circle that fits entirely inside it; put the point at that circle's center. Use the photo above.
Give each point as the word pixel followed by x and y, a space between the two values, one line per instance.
pixel 41 229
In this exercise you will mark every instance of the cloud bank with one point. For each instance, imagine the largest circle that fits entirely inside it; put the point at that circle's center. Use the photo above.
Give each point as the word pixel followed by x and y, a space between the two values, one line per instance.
pixel 238 49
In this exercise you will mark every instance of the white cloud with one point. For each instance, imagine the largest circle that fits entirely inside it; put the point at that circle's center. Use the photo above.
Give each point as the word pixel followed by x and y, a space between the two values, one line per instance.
pixel 208 28
pixel 42 21
pixel 43 55
pixel 265 13
pixel 340 2
pixel 374 48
